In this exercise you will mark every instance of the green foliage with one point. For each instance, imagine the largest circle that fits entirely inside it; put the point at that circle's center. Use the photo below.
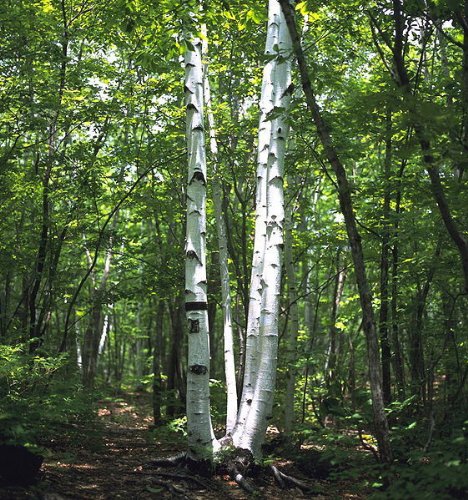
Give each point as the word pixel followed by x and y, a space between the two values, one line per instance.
pixel 89 108
pixel 35 405
pixel 218 402
pixel 174 430
pixel 35 418
pixel 441 472
pixel 22 373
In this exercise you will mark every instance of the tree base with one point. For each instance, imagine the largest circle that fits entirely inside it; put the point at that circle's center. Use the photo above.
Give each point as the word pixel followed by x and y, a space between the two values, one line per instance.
pixel 238 463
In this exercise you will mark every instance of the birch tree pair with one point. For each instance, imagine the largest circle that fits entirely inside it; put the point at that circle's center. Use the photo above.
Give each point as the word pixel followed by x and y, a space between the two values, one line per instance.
pixel 246 424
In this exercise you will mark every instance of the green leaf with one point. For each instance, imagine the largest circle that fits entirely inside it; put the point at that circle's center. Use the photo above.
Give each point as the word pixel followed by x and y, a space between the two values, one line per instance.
pixel 151 489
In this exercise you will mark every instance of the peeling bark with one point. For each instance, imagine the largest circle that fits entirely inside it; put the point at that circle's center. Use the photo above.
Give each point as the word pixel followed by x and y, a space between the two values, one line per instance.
pixel 262 331
pixel 201 438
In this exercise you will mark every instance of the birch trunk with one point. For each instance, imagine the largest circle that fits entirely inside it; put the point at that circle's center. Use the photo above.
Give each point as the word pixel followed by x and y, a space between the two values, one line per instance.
pixel 200 432
pixel 262 331
pixel 229 363
pixel 256 285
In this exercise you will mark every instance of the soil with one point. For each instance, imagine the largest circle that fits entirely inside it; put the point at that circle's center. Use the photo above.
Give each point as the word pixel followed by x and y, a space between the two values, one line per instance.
pixel 110 459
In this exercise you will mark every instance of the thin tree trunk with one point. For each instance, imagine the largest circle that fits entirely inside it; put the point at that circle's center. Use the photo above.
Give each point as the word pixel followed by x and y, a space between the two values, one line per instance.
pixel 202 441
pixel 416 347
pixel 384 267
pixel 334 345
pixel 260 373
pixel 293 326
pixel 157 378
pixel 35 321
pixel 94 331
pixel 35 326
pixel 228 337
pixel 4 304
pixel 140 363
pixel 396 344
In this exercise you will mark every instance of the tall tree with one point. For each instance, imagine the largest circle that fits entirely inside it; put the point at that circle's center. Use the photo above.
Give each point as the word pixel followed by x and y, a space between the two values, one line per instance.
pixel 262 330
pixel 228 337
pixel 200 431
pixel 346 205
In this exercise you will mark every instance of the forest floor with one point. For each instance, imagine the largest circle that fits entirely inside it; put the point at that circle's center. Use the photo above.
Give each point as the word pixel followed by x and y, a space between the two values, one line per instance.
pixel 108 458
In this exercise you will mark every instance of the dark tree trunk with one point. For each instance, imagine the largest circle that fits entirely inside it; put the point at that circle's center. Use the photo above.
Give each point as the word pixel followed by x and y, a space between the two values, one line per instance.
pixel 332 383
pixel 157 376
pixel 175 379
pixel 35 327
pixel 416 347
pixel 398 364
pixel 92 337
pixel 5 304
pixel 384 268
pixel 403 81
pixel 397 358
pixel 346 206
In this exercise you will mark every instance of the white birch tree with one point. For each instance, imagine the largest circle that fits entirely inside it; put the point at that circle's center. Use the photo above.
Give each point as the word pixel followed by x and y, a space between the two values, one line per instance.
pixel 263 316
pixel 201 438
pixel 229 362
pixel 262 326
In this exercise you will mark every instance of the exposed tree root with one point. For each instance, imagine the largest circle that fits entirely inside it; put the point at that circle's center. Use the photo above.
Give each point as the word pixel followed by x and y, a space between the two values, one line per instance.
pixel 284 480
pixel 165 478
pixel 277 475
pixel 185 477
pixel 244 483
pixel 238 463
pixel 185 461
pixel 175 490
pixel 175 461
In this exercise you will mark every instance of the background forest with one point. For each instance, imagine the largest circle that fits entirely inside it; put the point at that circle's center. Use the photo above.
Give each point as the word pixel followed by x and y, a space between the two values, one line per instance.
pixel 93 177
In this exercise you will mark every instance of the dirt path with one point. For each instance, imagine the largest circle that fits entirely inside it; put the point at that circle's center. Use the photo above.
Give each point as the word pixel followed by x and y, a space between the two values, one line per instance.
pixel 114 465
pixel 107 463
pixel 108 460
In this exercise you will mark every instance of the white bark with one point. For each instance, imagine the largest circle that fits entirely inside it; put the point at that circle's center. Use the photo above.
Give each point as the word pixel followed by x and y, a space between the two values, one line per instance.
pixel 200 432
pixel 256 285
pixel 262 330
pixel 106 327
pixel 79 356
pixel 229 363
